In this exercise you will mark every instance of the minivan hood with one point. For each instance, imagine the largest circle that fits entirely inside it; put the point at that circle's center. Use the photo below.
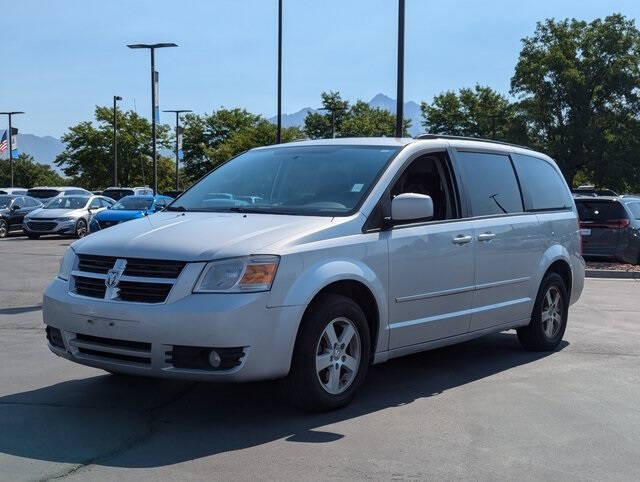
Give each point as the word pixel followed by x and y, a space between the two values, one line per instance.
pixel 196 236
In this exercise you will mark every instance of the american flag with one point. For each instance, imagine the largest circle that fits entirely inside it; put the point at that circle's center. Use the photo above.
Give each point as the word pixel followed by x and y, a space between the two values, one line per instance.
pixel 3 143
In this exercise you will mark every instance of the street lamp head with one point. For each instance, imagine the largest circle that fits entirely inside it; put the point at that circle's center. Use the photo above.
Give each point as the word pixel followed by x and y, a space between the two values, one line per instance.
pixel 12 112
pixel 117 97
pixel 151 46
pixel 178 111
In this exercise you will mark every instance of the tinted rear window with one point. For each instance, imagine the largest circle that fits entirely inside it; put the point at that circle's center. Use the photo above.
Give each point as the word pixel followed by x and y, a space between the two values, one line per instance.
pixel 117 194
pixel 542 183
pixel 599 211
pixel 42 193
pixel 490 183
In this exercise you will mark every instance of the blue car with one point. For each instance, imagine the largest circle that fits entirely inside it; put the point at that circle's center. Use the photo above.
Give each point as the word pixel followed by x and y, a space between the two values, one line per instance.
pixel 128 208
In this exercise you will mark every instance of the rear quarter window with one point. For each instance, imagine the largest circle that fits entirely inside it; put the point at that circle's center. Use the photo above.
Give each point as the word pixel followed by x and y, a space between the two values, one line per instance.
pixel 543 187
pixel 634 208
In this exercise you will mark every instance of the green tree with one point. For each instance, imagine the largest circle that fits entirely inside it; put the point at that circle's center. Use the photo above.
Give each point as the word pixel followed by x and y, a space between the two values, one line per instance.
pixel 478 112
pixel 320 126
pixel 212 139
pixel 577 83
pixel 88 157
pixel 363 120
pixel 28 173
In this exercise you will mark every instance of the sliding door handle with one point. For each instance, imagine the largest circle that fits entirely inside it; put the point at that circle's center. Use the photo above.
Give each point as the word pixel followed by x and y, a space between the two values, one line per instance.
pixel 486 236
pixel 462 239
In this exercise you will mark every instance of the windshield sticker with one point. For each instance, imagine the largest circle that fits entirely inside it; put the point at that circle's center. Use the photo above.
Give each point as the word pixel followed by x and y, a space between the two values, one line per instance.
pixel 357 187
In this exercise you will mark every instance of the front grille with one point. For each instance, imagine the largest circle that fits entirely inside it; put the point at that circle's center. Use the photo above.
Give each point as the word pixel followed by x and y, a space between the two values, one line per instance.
pixel 41 226
pixel 128 289
pixel 107 224
pixel 196 357
pixel 143 292
pixel 95 264
pixel 153 268
pixel 113 349
pixel 54 335
pixel 93 287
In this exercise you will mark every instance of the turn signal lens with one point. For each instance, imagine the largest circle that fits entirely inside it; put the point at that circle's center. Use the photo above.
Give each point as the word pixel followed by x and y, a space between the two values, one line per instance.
pixel 259 274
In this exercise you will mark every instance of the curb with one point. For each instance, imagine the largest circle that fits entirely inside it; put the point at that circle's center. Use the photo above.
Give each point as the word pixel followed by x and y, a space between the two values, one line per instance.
pixel 607 273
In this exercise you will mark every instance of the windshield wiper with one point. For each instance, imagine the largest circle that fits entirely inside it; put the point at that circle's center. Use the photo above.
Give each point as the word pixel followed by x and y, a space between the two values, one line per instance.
pixel 247 209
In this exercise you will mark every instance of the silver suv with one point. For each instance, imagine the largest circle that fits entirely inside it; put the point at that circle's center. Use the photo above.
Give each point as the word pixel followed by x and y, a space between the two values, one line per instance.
pixel 313 260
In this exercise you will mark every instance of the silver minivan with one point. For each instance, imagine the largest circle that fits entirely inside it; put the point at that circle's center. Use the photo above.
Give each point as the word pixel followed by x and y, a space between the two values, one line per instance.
pixel 313 260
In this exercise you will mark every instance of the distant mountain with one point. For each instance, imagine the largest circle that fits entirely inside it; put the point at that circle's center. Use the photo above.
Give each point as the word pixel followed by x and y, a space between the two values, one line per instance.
pixel 43 149
pixel 411 111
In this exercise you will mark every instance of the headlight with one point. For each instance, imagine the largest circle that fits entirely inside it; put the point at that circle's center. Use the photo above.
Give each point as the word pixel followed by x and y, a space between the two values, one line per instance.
pixel 66 265
pixel 238 275
pixel 64 219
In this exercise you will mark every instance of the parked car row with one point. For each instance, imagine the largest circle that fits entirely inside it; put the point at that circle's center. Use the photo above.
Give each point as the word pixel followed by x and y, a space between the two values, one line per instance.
pixel 72 211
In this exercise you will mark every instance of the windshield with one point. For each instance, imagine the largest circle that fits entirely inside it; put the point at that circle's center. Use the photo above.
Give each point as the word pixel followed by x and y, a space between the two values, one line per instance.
pixel 311 180
pixel 133 203
pixel 67 202
pixel 5 201
pixel 117 194
pixel 42 193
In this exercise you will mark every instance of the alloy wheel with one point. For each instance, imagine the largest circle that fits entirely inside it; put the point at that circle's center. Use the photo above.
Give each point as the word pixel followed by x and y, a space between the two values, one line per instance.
pixel 338 354
pixel 552 312
pixel 4 230
pixel 81 229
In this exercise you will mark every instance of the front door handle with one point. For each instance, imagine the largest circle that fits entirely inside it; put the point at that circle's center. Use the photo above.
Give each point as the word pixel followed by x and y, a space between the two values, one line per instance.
pixel 488 236
pixel 462 239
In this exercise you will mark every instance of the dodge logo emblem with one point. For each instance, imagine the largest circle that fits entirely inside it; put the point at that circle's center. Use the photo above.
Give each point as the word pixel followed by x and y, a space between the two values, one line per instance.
pixel 113 278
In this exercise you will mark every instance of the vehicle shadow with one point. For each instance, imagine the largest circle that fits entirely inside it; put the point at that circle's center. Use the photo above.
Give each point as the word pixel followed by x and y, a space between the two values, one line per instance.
pixel 136 423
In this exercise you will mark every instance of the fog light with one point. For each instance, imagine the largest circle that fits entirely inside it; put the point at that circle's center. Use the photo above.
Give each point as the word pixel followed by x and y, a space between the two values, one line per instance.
pixel 214 359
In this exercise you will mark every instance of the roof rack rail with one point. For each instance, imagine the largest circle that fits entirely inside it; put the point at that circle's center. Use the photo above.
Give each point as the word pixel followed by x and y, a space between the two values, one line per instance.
pixel 464 138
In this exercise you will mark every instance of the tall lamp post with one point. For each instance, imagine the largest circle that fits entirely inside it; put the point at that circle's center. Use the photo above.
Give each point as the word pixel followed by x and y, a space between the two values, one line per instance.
pixel 115 142
pixel 15 112
pixel 178 112
pixel 400 81
pixel 279 122
pixel 152 48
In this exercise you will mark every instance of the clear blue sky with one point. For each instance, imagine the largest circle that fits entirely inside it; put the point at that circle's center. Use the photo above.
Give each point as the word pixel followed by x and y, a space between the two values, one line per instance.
pixel 63 57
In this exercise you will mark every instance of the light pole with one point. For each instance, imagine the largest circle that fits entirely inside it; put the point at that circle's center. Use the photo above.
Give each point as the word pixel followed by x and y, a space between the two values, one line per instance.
pixel 279 122
pixel 115 142
pixel 152 48
pixel 177 112
pixel 400 81
pixel 15 112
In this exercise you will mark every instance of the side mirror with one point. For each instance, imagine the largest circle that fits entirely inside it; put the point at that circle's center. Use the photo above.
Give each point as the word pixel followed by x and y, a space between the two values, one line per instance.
pixel 411 207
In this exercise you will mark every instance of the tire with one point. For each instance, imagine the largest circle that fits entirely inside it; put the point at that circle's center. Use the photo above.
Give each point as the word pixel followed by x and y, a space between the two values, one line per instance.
pixel 33 236
pixel 4 228
pixel 81 229
pixel 310 388
pixel 546 335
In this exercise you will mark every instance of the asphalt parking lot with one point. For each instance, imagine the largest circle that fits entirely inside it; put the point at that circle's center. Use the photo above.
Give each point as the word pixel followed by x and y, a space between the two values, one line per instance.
pixel 481 410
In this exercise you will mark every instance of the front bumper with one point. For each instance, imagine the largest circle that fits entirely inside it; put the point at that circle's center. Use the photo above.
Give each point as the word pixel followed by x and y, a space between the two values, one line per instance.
pixel 266 335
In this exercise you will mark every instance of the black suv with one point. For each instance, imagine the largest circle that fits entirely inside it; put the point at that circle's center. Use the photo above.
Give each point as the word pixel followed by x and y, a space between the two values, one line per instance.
pixel 610 227
pixel 13 209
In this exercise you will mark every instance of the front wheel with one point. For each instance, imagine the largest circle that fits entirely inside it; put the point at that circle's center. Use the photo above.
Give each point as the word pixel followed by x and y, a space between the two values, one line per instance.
pixel 81 228
pixel 549 317
pixel 4 228
pixel 331 355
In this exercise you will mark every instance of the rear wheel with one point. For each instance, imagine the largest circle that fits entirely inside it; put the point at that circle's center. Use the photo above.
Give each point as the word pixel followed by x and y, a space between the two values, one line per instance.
pixel 331 356
pixel 4 228
pixel 549 317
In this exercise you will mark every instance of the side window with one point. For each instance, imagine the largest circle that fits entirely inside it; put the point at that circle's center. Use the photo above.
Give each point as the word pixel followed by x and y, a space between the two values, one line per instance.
pixel 634 207
pixel 105 203
pixel 95 204
pixel 20 201
pixel 428 175
pixel 490 183
pixel 544 188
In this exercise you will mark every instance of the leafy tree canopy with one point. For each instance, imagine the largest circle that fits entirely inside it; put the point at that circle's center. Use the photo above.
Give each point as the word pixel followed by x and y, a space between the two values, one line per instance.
pixel 88 157
pixel 28 173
